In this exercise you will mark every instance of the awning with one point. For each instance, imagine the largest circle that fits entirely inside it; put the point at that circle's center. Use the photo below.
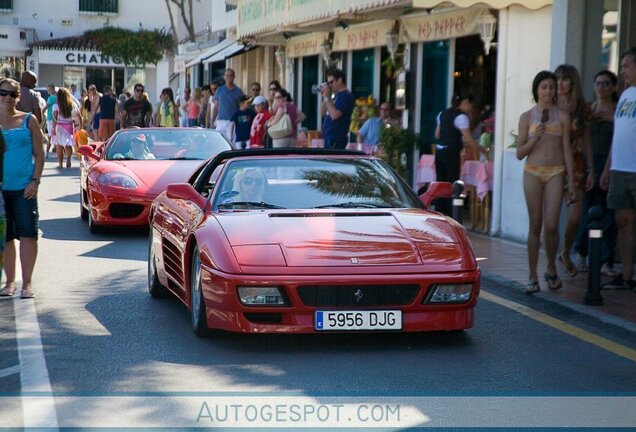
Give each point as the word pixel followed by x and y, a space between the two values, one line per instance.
pixel 495 4
pixel 259 16
pixel 209 52
pixel 439 26
pixel 362 36
pixel 305 45
pixel 229 51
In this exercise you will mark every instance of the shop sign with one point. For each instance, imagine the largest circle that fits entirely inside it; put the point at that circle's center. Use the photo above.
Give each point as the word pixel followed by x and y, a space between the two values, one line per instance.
pixel 362 36
pixel 255 16
pixel 307 45
pixel 79 58
pixel 427 28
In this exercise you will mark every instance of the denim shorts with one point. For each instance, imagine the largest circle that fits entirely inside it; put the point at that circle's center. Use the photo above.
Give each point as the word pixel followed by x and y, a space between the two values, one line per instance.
pixel 622 190
pixel 22 215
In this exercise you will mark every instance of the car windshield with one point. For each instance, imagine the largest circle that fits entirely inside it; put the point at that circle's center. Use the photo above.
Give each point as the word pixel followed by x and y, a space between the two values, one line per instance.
pixel 302 183
pixel 166 144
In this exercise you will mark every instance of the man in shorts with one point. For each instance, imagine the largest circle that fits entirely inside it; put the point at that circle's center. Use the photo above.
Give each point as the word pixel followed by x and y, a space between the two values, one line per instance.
pixel 620 172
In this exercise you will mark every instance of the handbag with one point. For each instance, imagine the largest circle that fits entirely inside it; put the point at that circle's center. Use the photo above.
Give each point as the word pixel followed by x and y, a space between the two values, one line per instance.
pixel 282 128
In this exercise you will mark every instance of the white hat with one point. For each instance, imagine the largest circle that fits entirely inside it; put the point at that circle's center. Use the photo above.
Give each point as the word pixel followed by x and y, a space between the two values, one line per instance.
pixel 259 100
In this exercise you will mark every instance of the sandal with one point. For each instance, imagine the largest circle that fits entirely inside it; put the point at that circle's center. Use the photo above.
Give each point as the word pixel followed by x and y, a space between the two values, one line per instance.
pixel 532 287
pixel 554 283
pixel 27 293
pixel 8 290
pixel 569 265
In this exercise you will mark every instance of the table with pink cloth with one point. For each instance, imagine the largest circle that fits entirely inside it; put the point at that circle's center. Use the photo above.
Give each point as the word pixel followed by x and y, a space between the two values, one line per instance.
pixel 474 173
pixel 426 170
pixel 369 149
pixel 478 174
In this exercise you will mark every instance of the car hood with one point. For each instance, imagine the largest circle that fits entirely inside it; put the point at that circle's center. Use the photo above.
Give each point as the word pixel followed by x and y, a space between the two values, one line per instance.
pixel 341 238
pixel 155 175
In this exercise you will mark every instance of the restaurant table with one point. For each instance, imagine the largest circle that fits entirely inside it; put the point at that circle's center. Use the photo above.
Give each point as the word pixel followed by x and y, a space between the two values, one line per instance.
pixel 426 170
pixel 317 143
pixel 478 178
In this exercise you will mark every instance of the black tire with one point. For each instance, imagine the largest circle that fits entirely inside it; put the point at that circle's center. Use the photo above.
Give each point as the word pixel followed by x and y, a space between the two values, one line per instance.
pixel 155 288
pixel 83 210
pixel 92 227
pixel 197 305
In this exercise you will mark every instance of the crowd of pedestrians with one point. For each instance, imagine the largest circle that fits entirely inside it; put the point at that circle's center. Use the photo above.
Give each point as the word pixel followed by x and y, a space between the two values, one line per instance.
pixel 586 153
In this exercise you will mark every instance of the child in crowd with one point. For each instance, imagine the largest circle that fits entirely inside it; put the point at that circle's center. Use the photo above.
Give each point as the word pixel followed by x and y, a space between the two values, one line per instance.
pixel 241 123
pixel 257 133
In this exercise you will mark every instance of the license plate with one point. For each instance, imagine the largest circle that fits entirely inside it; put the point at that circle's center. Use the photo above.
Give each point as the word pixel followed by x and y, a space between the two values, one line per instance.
pixel 359 320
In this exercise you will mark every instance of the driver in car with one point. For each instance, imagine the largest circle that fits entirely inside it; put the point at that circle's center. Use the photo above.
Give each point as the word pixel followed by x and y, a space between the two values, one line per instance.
pixel 250 184
pixel 138 149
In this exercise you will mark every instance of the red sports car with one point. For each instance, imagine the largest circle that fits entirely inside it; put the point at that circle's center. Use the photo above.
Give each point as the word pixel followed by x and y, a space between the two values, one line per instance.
pixel 120 178
pixel 305 241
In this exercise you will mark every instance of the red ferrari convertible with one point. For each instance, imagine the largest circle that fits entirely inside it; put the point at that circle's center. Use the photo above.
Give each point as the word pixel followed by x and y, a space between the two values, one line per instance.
pixel 120 178
pixel 306 241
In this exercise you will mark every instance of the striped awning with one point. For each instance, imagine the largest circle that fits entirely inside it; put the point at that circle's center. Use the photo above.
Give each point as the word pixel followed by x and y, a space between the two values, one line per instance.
pixel 495 4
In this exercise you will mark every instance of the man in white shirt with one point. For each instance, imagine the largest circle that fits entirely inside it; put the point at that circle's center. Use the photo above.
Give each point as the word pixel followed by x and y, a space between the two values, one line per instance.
pixel 620 172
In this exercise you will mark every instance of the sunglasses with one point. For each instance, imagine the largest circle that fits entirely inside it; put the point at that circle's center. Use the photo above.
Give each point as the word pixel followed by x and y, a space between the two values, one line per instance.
pixel 330 82
pixel 603 83
pixel 139 90
pixel 256 89
pixel 252 181
pixel 273 89
pixel 14 94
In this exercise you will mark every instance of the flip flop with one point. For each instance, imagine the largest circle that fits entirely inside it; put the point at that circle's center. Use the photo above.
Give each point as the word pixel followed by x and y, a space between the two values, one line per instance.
pixel 532 287
pixel 569 265
pixel 8 290
pixel 554 283
pixel 27 294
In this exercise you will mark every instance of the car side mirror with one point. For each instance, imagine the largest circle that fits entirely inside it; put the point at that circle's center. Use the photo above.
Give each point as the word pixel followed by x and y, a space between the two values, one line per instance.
pixel 436 190
pixel 88 151
pixel 185 191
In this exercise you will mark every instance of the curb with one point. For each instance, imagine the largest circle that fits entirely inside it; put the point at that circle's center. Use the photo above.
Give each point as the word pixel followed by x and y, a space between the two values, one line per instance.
pixel 586 310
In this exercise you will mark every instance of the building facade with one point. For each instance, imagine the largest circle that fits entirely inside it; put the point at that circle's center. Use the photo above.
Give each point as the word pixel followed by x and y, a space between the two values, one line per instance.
pixel 47 37
pixel 490 48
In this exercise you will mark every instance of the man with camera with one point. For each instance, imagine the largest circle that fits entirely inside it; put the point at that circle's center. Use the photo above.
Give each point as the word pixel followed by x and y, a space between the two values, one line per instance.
pixel 336 111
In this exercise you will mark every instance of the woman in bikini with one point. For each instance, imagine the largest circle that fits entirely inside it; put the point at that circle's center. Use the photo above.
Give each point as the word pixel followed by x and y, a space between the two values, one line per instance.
pixel 570 100
pixel 544 138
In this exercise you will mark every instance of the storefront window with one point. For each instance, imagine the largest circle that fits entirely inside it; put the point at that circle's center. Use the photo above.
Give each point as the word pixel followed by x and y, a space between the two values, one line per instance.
pixel 134 76
pixel 362 72
pixel 434 79
pixel 11 67
pixel 73 75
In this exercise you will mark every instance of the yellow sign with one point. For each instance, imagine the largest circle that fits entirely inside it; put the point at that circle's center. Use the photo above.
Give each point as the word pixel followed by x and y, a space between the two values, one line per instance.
pixel 306 45
pixel 426 28
pixel 362 36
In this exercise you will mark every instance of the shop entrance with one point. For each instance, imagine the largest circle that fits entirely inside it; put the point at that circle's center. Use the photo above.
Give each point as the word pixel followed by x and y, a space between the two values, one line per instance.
pixel 105 76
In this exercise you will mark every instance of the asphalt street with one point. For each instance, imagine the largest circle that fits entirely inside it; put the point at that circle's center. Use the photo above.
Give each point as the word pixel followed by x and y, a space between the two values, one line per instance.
pixel 109 349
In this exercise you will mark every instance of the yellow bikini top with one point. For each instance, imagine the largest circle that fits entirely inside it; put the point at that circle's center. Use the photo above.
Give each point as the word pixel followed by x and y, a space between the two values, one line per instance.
pixel 548 117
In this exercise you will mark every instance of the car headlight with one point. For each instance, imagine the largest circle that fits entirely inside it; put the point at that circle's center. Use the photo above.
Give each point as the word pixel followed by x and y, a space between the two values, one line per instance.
pixel 450 293
pixel 261 296
pixel 116 180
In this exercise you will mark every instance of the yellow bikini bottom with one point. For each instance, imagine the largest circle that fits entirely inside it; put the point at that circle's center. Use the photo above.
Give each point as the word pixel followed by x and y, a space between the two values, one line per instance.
pixel 545 173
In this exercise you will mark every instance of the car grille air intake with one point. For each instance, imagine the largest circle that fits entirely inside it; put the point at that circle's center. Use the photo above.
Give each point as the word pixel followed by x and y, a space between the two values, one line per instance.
pixel 357 295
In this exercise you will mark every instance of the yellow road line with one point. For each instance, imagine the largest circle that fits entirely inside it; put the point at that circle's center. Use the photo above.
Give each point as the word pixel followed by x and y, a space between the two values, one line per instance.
pixel 577 332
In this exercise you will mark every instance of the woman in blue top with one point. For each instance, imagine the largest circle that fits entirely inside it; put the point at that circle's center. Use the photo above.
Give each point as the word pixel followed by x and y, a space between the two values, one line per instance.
pixel 22 170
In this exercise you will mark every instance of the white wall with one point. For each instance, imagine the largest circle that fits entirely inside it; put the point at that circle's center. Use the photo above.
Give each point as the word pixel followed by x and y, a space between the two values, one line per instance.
pixel 524 50
pixel 46 16
pixel 222 20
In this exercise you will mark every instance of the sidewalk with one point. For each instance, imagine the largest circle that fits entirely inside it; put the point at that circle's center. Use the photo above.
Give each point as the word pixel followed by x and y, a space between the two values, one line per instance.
pixel 507 262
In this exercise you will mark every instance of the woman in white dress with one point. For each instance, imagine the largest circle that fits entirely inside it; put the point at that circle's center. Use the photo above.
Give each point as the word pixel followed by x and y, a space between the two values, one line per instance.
pixel 64 112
